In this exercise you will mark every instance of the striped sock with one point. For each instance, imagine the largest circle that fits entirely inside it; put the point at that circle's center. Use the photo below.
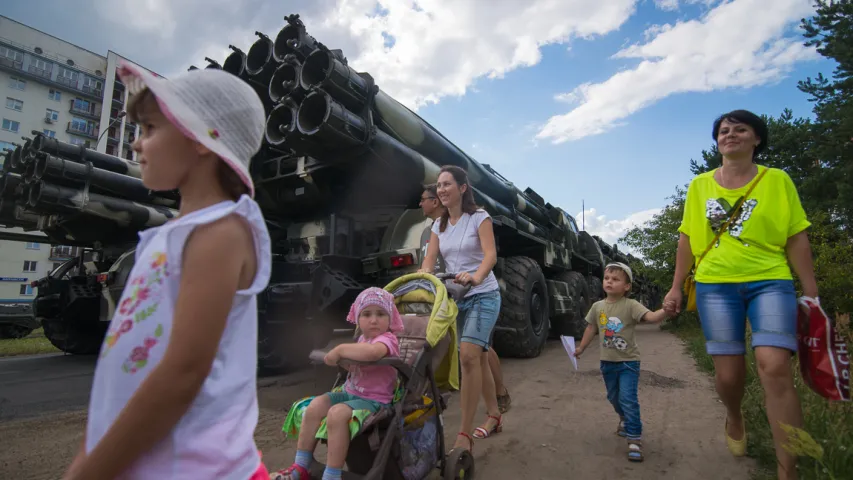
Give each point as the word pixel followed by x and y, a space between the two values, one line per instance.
pixel 332 473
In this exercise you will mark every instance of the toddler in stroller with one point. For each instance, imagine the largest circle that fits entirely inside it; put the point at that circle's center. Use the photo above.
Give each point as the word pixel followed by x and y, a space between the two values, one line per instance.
pixel 401 438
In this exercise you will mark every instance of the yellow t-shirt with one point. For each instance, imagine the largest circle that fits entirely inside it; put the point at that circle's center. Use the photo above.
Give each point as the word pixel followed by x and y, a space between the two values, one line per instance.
pixel 753 247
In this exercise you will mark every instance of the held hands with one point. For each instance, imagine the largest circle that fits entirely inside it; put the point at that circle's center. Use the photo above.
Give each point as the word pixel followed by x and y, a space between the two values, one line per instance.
pixel 466 278
pixel 672 302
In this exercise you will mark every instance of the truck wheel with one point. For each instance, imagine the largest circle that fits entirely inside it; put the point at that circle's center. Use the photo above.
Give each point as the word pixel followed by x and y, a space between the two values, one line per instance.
pixel 596 291
pixel 285 348
pixel 573 324
pixel 522 327
pixel 75 340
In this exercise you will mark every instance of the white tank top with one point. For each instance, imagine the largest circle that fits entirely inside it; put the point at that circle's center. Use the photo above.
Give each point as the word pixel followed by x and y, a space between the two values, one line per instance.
pixel 215 437
pixel 460 246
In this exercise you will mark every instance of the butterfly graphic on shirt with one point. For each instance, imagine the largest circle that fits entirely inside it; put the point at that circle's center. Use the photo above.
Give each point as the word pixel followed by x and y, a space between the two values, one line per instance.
pixel 719 210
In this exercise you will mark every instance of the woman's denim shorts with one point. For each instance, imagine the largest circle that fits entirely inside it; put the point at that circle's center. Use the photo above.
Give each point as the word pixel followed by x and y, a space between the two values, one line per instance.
pixel 477 317
pixel 770 306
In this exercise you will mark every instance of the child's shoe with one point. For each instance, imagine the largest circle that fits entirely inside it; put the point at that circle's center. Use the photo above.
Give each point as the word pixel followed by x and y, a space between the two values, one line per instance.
pixel 635 450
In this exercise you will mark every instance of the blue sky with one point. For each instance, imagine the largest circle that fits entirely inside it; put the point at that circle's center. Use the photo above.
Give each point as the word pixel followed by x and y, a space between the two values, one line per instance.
pixel 645 78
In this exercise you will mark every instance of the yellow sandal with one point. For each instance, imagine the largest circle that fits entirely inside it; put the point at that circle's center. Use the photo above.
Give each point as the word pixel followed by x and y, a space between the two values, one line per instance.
pixel 737 447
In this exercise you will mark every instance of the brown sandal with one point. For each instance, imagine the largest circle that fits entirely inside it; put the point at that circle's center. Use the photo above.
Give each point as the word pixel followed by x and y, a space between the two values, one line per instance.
pixel 481 432
pixel 504 401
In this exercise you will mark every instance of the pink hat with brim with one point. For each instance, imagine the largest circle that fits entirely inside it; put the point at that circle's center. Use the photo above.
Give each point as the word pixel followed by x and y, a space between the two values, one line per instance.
pixel 212 107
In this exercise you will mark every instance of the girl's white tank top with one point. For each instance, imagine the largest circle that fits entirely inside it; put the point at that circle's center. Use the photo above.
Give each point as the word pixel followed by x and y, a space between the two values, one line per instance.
pixel 215 438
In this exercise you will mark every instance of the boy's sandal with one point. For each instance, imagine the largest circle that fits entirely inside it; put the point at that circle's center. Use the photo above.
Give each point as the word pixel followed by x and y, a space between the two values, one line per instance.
pixel 481 432
pixel 288 473
pixel 620 429
pixel 635 450
pixel 504 401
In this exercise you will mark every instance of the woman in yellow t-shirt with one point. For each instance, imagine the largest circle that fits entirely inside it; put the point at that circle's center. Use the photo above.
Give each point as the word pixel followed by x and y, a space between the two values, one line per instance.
pixel 746 274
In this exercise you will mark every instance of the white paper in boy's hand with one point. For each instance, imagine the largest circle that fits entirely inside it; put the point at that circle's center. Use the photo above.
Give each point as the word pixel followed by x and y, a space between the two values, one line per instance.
pixel 569 345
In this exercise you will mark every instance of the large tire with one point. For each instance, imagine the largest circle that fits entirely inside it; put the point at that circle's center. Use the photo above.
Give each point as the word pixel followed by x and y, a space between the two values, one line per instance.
pixel 596 290
pixel 573 324
pixel 523 319
pixel 74 339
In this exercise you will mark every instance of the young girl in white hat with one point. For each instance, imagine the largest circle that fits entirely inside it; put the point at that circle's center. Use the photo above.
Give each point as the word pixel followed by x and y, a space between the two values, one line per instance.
pixel 174 394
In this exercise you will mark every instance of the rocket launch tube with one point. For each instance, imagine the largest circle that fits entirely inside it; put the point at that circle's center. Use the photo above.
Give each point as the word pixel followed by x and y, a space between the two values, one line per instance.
pixel 125 213
pixel 323 70
pixel 81 154
pixel 293 39
pixel 285 81
pixel 66 172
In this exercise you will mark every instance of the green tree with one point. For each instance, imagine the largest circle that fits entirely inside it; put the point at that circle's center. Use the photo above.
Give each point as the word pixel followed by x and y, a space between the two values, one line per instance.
pixel 657 241
pixel 830 31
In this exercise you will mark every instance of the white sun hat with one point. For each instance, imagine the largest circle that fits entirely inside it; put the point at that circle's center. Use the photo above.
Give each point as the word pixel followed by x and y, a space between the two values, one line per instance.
pixel 212 107
pixel 624 268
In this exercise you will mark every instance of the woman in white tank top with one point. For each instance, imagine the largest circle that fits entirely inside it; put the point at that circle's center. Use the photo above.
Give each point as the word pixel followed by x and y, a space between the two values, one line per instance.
pixel 465 238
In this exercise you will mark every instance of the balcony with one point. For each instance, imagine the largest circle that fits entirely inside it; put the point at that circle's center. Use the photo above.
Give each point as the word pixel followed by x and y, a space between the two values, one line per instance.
pixel 63 252
pixel 40 72
pixel 44 75
pixel 67 82
pixel 118 100
pixel 78 110
pixel 93 91
pixel 9 63
pixel 88 131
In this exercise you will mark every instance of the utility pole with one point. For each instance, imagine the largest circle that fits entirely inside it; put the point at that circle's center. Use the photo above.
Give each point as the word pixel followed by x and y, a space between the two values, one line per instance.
pixel 583 215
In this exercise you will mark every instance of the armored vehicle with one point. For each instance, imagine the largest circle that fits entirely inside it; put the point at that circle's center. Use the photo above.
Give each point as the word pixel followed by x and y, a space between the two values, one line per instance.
pixel 338 178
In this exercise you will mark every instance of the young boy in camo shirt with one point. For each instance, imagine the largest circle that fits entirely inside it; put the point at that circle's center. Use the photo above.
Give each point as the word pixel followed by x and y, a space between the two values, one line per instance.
pixel 614 318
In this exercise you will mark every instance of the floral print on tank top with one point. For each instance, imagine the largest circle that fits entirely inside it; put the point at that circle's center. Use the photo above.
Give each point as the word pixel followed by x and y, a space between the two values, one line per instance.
pixel 139 302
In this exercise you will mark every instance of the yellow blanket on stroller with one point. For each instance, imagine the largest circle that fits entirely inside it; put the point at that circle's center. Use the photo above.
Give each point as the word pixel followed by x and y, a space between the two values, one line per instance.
pixel 442 322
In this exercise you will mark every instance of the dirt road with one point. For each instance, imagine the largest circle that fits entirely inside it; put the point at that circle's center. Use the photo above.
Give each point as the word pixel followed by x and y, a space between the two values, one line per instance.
pixel 560 425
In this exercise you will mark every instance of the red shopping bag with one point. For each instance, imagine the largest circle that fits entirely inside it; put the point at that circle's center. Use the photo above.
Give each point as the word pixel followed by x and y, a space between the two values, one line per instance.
pixel 824 359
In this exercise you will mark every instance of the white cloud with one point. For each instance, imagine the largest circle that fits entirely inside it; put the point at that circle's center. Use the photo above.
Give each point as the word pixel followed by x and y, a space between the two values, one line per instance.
pixel 612 230
pixel 440 47
pixel 667 4
pixel 738 44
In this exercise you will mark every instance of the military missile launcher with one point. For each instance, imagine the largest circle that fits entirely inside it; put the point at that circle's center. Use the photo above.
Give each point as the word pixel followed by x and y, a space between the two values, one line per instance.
pixel 338 178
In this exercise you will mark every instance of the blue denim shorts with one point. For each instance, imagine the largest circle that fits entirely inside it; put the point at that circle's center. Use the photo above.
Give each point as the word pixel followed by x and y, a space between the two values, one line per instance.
pixel 771 307
pixel 477 317
pixel 355 402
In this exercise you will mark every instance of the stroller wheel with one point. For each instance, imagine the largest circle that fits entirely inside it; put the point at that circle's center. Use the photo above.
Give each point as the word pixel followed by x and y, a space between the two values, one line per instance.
pixel 459 465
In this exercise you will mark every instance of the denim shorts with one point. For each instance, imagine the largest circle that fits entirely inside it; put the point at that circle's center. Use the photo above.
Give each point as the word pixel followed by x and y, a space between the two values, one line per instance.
pixel 355 402
pixel 477 317
pixel 770 305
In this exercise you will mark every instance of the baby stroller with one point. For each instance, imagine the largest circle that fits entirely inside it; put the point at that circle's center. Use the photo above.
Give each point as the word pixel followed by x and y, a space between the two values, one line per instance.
pixel 406 441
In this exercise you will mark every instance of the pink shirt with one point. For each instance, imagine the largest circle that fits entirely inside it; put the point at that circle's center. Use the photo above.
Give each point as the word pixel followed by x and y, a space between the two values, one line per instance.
pixel 375 382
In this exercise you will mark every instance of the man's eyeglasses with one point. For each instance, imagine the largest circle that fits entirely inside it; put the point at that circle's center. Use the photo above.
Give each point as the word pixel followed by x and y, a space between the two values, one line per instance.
pixel 424 199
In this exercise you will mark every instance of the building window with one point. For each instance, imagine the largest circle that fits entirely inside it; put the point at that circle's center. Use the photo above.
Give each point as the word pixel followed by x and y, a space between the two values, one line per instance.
pixel 12 55
pixel 26 289
pixel 33 246
pixel 6 145
pixel 17 83
pixel 30 265
pixel 54 95
pixel 78 141
pixel 14 104
pixel 51 114
pixel 49 133
pixel 11 125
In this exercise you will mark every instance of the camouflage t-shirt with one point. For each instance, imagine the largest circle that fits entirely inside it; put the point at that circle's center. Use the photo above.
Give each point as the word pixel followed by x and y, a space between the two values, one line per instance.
pixel 616 322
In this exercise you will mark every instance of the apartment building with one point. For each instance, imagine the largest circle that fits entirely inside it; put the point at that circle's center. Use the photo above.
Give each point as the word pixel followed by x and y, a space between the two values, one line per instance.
pixel 51 86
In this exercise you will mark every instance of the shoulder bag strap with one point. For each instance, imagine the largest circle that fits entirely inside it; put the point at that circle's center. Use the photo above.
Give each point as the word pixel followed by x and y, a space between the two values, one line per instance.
pixel 731 218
